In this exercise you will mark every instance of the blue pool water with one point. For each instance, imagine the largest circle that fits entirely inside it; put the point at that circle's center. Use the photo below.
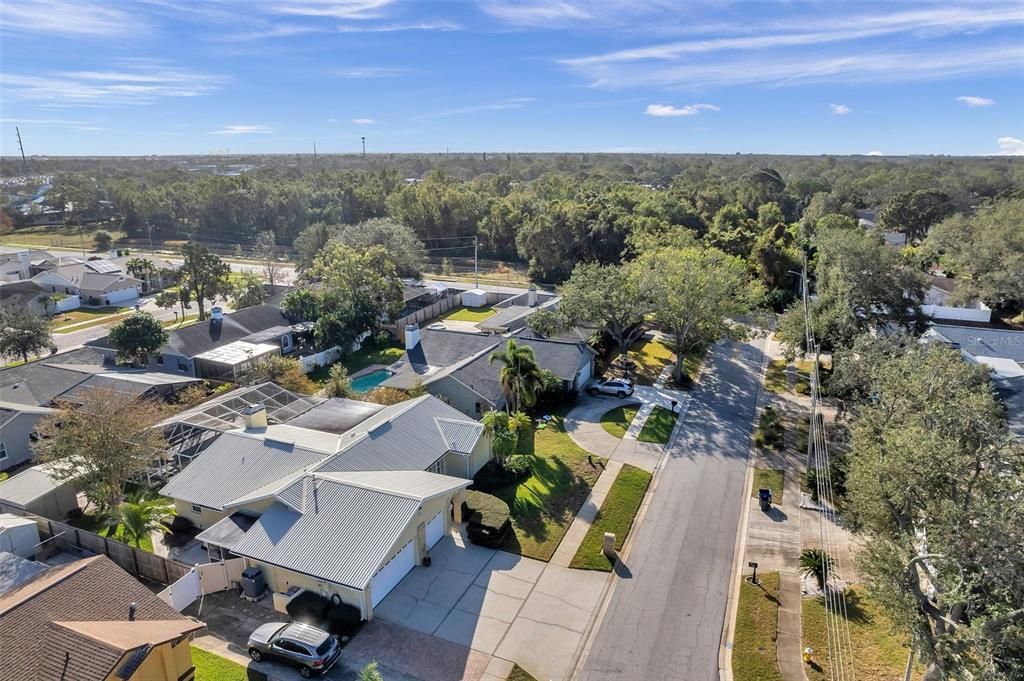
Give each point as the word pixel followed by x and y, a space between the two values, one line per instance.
pixel 370 381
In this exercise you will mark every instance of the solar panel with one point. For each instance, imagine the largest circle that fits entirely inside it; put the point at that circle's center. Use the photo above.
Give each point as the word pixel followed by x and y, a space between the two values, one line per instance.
pixel 102 266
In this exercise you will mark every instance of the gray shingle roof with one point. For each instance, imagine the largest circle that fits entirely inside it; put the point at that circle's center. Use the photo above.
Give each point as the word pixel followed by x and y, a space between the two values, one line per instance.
pixel 95 281
pixel 235 464
pixel 985 342
pixel 342 534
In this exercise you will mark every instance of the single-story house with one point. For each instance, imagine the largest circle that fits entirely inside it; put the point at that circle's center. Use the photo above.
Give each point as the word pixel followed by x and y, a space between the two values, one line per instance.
pixel 26 295
pixel 457 366
pixel 36 490
pixel 95 282
pixel 89 620
pixel 999 350
pixel 223 346
pixel 28 392
pixel 18 266
pixel 332 509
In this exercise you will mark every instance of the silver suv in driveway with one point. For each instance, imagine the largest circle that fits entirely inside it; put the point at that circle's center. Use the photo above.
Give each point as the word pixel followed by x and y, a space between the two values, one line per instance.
pixel 312 650
pixel 620 387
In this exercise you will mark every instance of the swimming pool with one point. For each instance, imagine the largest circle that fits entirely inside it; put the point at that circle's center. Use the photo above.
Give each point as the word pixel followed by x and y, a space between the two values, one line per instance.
pixel 370 381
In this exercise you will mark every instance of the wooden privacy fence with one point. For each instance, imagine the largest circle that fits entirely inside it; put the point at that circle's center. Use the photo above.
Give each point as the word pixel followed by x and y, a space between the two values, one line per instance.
pixel 426 313
pixel 55 535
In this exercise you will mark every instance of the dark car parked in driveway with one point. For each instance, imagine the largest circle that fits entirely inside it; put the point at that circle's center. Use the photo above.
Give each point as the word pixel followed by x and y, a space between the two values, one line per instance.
pixel 312 650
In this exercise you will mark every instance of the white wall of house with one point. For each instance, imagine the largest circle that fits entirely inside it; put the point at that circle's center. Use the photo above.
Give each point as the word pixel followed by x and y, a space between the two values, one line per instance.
pixel 55 283
pixel 15 443
pixel 66 303
pixel 460 396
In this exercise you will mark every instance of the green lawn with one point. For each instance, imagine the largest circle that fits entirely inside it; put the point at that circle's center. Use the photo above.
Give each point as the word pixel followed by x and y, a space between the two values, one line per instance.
pixel 881 654
pixel 775 376
pixel 211 667
pixel 175 324
pixel 658 427
pixel 616 421
pixel 41 236
pixel 757 621
pixel 771 478
pixel 92 523
pixel 519 674
pixel 544 505
pixel 651 356
pixel 471 314
pixel 616 515
pixel 90 314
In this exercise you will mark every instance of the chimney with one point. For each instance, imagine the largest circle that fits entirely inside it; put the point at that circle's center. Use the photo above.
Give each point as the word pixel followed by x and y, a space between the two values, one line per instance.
pixel 25 264
pixel 412 336
pixel 131 611
pixel 255 416
pixel 531 296
pixel 217 314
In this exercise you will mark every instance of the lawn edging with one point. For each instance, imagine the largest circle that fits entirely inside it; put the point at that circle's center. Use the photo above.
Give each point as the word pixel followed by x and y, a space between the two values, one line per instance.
pixel 617 514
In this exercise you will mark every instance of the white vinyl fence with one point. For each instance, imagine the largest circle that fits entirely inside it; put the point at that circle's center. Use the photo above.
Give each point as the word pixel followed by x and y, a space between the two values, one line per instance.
pixel 310 362
pixel 204 578
pixel 68 303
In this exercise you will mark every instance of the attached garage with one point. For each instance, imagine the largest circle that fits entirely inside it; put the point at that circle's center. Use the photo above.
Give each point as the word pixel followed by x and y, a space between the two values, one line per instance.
pixel 392 572
pixel 435 530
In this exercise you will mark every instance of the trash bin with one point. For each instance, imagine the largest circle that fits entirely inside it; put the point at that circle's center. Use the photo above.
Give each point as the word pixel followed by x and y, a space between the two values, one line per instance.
pixel 253 584
pixel 764 496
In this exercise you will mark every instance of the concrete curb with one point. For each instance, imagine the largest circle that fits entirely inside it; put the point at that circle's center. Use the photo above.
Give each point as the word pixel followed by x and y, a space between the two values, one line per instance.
pixel 606 596
pixel 729 625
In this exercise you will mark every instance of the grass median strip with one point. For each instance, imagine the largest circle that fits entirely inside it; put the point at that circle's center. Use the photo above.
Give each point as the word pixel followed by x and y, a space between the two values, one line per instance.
pixel 658 427
pixel 773 479
pixel 616 515
pixel 616 421
pixel 757 625
pixel 775 379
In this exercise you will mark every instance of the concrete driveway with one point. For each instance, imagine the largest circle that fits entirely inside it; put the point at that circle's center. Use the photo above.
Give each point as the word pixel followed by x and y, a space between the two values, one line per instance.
pixel 583 423
pixel 501 604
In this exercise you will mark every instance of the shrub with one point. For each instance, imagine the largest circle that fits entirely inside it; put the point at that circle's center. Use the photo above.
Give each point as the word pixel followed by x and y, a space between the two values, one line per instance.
pixel 309 607
pixel 518 465
pixel 488 517
pixel 386 396
pixel 802 388
pixel 769 430
pixel 103 240
pixel 494 476
pixel 343 619
pixel 182 525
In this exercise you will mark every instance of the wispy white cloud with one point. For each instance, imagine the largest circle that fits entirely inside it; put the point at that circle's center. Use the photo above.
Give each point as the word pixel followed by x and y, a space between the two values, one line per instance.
pixel 337 9
pixel 1010 146
pixel 839 109
pixel 687 110
pixel 360 72
pixel 535 12
pixel 363 121
pixel 134 82
pixel 807 68
pixel 874 152
pixel 80 19
pixel 512 103
pixel 395 27
pixel 243 130
pixel 276 31
pixel 976 101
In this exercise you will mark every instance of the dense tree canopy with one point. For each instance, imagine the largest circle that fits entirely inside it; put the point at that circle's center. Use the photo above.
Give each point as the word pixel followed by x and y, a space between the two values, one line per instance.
pixel 136 337
pixel 22 333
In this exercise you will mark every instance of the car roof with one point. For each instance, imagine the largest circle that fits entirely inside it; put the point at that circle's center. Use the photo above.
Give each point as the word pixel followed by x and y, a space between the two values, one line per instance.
pixel 304 633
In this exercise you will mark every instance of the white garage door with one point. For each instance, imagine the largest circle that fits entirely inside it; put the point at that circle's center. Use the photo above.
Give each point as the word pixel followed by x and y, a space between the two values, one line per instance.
pixel 435 530
pixel 121 296
pixel 584 375
pixel 392 573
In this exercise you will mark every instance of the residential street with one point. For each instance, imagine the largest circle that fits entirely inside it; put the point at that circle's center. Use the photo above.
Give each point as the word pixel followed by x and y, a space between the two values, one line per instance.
pixel 665 617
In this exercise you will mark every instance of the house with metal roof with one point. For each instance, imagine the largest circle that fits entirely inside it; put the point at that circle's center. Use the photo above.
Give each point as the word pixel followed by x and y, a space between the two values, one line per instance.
pixel 223 346
pixel 456 365
pixel 89 620
pixel 377 491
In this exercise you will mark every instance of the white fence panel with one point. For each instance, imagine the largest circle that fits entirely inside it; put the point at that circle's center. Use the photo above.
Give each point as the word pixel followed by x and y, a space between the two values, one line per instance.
pixel 214 577
pixel 183 592
pixel 310 362
pixel 68 303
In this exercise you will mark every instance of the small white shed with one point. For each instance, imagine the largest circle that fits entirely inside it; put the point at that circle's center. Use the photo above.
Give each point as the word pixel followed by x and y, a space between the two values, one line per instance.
pixel 18 535
pixel 474 298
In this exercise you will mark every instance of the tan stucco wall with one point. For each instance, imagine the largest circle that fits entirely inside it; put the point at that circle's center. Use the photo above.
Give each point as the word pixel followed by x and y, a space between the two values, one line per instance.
pixel 279 579
pixel 482 453
pixel 166 662
pixel 204 519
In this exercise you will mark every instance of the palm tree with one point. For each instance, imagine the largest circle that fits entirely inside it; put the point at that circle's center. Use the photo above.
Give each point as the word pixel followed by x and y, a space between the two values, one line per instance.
pixel 140 268
pixel 370 673
pixel 139 517
pixel 521 378
pixel 505 430
pixel 816 563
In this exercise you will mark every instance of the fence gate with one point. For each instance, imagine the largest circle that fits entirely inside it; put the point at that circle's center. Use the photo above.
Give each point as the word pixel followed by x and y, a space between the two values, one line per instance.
pixel 183 592
pixel 205 578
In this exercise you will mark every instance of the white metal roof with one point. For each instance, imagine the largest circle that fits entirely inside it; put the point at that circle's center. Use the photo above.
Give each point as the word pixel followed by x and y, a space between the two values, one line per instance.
pixel 238 352
pixel 28 485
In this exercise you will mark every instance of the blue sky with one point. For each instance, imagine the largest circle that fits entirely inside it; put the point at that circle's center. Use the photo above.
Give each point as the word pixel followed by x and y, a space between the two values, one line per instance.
pixel 198 76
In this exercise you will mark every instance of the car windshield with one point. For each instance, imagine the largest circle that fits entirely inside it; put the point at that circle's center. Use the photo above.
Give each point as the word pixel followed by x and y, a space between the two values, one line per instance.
pixel 324 647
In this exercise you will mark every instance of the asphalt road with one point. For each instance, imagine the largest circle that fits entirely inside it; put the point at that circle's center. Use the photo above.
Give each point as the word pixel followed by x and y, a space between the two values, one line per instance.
pixel 665 617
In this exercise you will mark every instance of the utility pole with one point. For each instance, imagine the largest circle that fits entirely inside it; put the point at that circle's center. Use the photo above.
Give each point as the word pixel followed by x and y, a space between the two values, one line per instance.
pixel 476 261
pixel 364 147
pixel 314 153
pixel 149 229
pixel 24 163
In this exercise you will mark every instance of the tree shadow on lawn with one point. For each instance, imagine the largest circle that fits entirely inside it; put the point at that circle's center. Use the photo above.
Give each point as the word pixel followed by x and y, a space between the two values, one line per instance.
pixel 854 610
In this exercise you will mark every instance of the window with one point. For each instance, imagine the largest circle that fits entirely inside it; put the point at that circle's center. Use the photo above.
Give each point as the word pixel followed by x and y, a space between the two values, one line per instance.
pixel 3 451
pixel 197 509
pixel 160 360
pixel 478 409
pixel 438 467
pixel 182 365
pixel 291 647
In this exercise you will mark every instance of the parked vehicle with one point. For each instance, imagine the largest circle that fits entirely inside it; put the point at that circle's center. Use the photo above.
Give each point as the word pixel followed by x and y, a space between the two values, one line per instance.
pixel 620 387
pixel 312 650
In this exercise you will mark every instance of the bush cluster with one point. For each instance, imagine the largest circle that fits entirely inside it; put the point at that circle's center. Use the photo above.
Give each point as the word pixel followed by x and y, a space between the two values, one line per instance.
pixel 488 517
pixel 769 430
pixel 495 476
